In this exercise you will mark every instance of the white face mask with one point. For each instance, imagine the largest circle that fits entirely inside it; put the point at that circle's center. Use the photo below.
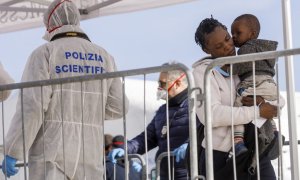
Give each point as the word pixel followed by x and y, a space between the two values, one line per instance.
pixel 161 94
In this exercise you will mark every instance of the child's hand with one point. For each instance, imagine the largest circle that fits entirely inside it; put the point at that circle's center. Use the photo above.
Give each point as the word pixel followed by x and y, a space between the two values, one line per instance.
pixel 249 101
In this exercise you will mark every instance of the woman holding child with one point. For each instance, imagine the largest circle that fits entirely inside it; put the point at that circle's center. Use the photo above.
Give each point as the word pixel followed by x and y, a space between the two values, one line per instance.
pixel 214 39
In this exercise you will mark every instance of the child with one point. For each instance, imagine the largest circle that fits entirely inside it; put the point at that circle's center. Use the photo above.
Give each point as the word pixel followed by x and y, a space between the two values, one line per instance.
pixel 245 30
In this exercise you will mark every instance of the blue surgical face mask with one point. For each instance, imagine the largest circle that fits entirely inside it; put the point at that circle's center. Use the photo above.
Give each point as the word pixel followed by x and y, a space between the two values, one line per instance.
pixel 221 71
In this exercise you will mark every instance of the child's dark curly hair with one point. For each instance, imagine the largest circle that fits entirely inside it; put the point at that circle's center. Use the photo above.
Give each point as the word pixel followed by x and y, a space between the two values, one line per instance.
pixel 252 23
pixel 206 26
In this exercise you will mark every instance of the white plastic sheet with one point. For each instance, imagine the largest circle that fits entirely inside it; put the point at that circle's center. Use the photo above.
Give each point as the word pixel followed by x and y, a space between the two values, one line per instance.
pixel 24 14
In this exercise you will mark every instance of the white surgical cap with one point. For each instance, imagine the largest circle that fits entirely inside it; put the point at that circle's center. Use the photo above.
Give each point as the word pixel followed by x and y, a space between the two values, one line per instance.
pixel 59 13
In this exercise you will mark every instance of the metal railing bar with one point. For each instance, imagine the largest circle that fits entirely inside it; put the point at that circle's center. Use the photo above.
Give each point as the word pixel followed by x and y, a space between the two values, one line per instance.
pixel 3 134
pixel 158 162
pixel 192 124
pixel 23 131
pixel 43 128
pixel 145 126
pixel 290 88
pixel 107 75
pixel 255 120
pixel 137 156
pixel 82 128
pixel 143 163
pixel 125 128
pixel 232 124
pixel 286 143
pixel 102 123
pixel 253 57
pixel 62 129
pixel 280 161
pixel 168 131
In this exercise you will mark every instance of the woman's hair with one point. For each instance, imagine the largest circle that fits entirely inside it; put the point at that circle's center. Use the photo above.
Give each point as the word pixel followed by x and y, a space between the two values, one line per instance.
pixel 206 26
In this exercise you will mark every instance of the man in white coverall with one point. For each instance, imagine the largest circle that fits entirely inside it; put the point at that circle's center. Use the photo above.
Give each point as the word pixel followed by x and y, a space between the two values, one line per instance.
pixel 4 79
pixel 66 140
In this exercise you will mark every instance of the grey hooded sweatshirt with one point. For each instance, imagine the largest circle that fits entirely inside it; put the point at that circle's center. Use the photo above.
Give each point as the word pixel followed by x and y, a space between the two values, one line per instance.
pixel 265 67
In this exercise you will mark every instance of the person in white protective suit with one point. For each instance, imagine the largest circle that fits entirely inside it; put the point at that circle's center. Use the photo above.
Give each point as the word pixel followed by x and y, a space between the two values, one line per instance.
pixel 4 79
pixel 64 130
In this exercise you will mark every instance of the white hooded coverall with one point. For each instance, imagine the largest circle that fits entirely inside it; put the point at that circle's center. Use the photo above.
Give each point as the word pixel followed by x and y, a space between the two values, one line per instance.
pixel 70 116
pixel 4 79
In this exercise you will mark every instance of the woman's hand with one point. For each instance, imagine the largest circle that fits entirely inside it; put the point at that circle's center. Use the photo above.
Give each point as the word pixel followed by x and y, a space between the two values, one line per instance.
pixel 268 111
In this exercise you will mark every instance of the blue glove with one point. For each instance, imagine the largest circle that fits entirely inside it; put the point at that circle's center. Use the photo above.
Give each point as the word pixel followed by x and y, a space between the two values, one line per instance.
pixel 9 169
pixel 115 153
pixel 137 166
pixel 180 152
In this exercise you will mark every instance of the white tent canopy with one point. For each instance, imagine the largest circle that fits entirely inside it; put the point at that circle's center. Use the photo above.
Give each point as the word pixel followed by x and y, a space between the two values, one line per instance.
pixel 24 14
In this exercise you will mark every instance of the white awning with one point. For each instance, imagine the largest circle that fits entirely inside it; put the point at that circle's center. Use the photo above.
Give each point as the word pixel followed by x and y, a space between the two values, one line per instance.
pixel 23 14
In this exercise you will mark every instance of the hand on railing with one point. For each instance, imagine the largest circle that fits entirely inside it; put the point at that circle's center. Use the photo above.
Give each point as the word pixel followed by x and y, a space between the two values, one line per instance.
pixel 115 153
pixel 136 166
pixel 180 152
pixel 9 169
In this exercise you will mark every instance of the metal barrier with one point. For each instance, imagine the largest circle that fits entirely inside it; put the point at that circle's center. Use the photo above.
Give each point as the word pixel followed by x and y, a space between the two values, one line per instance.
pixel 100 78
pixel 131 157
pixel 290 104
pixel 158 164
pixel 143 163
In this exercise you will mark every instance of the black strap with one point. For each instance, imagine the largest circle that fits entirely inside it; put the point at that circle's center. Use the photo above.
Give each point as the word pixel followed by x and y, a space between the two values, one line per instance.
pixel 70 34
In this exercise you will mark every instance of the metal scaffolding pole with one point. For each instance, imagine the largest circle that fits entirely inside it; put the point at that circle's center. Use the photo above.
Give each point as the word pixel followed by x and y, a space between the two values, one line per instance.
pixel 290 85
